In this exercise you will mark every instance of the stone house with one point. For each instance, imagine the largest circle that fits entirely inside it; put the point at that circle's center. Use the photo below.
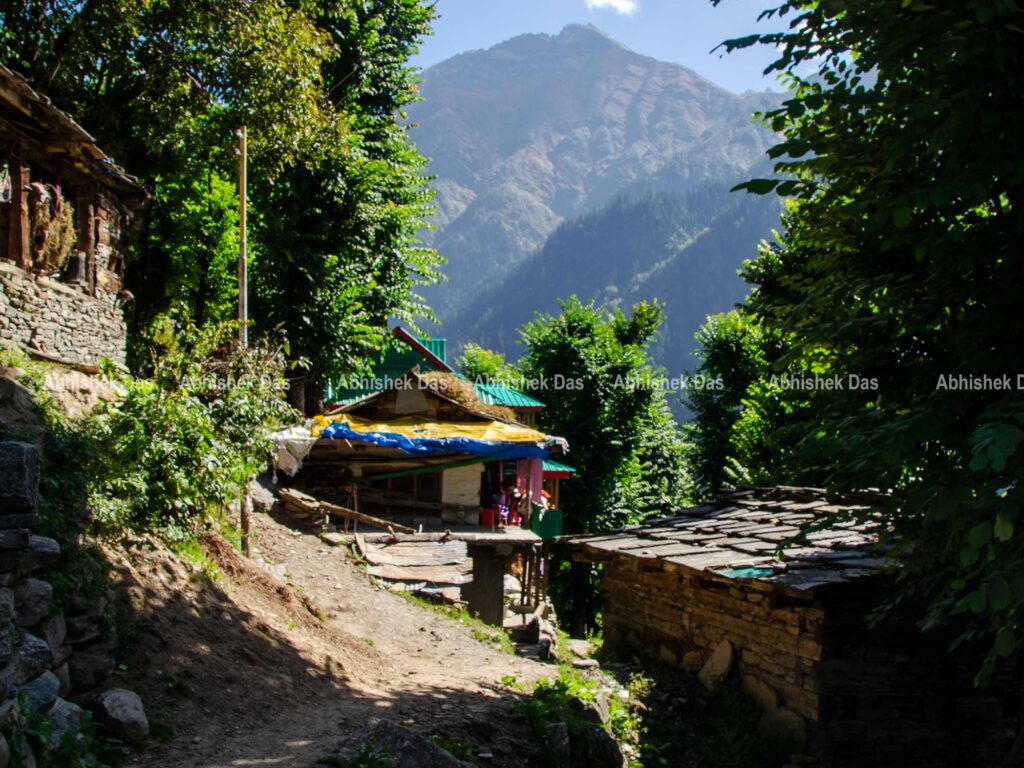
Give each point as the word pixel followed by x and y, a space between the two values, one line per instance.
pixel 706 590
pixel 65 217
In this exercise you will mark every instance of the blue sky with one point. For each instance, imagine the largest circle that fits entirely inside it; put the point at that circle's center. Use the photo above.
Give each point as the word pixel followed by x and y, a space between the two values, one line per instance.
pixel 683 31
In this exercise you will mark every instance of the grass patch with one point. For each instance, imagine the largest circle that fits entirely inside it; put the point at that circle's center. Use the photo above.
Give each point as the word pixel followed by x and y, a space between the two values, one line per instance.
pixel 193 552
pixel 483 632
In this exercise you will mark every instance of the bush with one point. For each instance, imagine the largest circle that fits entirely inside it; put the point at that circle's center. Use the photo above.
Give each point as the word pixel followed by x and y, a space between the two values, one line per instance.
pixel 178 448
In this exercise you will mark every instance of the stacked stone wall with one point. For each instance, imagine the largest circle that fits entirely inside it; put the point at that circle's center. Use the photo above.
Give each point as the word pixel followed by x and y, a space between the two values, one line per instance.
pixel 60 320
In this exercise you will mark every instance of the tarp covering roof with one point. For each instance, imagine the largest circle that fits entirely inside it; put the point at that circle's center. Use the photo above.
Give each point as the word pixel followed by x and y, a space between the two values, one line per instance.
pixel 419 436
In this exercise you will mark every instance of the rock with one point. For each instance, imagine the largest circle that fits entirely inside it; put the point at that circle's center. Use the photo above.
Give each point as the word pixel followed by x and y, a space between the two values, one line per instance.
pixel 595 748
pixel 692 661
pixel 406 748
pixel 559 745
pixel 586 663
pixel 597 711
pixel 333 538
pixel 579 648
pixel 511 585
pixel 785 728
pixel 41 552
pixel 5 752
pixel 54 631
pixel 762 693
pixel 668 656
pixel 8 639
pixel 32 659
pixel 120 713
pixel 66 718
pixel 33 600
pixel 6 606
pixel 64 676
pixel 717 668
pixel 89 667
pixel 19 478
pixel 41 692
pixel 15 538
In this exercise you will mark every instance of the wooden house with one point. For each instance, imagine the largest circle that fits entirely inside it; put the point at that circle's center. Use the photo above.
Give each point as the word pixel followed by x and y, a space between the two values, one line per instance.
pixel 65 215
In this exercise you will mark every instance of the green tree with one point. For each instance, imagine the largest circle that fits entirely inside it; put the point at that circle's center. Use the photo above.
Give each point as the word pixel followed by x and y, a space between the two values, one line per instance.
pixel 481 364
pixel 337 191
pixel 606 399
pixel 899 269
pixel 729 440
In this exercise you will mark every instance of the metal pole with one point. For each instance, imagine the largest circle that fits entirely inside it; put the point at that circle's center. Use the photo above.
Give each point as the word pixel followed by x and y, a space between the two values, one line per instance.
pixel 243 286
pixel 243 308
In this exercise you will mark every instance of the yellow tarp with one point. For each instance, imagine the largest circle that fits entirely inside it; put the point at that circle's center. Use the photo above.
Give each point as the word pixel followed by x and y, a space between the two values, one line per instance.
pixel 417 428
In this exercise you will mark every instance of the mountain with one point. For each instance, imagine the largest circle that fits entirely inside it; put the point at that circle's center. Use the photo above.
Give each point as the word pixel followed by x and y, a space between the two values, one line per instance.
pixel 560 153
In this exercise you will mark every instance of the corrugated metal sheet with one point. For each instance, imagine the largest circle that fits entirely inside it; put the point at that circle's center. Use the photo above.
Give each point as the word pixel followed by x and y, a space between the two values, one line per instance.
pixel 498 394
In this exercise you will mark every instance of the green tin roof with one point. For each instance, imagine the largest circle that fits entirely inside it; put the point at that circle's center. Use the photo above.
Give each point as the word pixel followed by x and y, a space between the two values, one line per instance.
pixel 499 394
pixel 554 466
pixel 400 358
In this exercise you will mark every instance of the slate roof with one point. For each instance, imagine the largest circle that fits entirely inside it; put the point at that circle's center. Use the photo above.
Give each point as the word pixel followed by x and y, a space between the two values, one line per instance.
pixel 738 536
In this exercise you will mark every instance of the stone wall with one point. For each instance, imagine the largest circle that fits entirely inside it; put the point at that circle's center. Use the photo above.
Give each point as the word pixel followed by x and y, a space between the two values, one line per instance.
pixel 59 319
pixel 682 618
pixel 883 694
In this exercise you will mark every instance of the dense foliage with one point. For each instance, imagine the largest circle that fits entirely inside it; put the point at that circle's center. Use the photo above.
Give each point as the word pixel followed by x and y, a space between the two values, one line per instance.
pixel 480 364
pixel 177 449
pixel 592 370
pixel 336 187
pixel 732 438
pixel 900 265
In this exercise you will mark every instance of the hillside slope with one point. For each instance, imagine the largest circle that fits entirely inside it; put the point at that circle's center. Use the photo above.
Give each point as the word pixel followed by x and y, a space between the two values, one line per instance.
pixel 542 129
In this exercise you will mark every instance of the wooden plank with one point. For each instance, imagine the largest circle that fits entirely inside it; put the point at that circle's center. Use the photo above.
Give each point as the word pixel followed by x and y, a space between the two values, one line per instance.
pixel 361 517
pixel 422 573
pixel 418 553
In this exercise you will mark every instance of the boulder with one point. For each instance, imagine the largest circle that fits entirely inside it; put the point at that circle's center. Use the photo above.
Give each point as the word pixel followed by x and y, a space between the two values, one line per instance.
pixel 66 718
pixel 762 693
pixel 333 538
pixel 64 676
pixel 692 661
pixel 668 656
pixel 33 600
pixel 54 631
pixel 41 552
pixel 14 538
pixel 405 748
pixel 5 752
pixel 595 748
pixel 32 659
pixel 6 606
pixel 785 728
pixel 41 692
pixel 718 666
pixel 19 478
pixel 559 745
pixel 120 714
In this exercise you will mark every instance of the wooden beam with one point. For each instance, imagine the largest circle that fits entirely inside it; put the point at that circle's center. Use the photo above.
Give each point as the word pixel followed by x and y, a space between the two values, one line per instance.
pixel 18 232
pixel 361 517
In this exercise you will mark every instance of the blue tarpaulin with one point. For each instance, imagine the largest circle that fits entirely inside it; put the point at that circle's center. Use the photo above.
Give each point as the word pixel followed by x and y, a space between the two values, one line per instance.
pixel 425 446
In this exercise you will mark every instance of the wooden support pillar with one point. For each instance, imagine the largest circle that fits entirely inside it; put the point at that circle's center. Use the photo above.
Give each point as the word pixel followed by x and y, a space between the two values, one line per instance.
pixel 19 233
pixel 485 595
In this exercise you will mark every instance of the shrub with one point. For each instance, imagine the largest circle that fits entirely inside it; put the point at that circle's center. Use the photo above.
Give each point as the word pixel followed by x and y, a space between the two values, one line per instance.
pixel 178 448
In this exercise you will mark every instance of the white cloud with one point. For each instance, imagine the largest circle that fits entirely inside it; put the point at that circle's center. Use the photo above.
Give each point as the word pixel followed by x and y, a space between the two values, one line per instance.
pixel 625 7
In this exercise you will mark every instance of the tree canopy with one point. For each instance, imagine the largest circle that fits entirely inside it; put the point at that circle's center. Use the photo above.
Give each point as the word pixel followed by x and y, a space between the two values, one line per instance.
pixel 897 272
pixel 603 396
pixel 337 188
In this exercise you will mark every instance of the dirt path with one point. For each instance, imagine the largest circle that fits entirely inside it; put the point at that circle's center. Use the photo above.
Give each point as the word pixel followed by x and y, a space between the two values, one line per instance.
pixel 240 672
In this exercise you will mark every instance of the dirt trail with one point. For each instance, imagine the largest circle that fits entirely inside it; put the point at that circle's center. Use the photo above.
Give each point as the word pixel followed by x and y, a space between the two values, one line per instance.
pixel 240 672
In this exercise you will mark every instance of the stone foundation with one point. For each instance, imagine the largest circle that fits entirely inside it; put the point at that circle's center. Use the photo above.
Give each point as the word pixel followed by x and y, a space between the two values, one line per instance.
pixel 60 320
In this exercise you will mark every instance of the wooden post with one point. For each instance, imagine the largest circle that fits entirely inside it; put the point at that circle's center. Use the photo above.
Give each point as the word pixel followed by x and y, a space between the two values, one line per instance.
pixel 243 307
pixel 19 233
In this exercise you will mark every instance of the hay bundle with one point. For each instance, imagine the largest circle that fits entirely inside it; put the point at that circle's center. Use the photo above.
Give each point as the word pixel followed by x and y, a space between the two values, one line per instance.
pixel 464 393
pixel 53 227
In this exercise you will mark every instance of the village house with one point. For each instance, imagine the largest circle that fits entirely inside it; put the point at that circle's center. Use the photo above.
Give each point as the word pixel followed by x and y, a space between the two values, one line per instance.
pixel 65 217
pixel 457 484
pixel 707 590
